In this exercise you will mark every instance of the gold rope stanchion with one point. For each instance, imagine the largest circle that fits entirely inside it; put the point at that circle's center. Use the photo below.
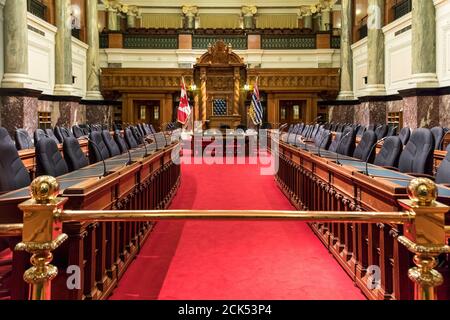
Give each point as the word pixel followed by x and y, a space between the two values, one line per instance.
pixel 41 235
pixel 426 238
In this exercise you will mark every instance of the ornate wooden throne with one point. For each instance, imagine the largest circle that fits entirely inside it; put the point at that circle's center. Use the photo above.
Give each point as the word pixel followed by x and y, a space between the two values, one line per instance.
pixel 220 74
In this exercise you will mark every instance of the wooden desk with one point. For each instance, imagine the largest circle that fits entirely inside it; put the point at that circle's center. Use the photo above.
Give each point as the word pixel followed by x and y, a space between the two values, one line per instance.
pixel 102 250
pixel 320 183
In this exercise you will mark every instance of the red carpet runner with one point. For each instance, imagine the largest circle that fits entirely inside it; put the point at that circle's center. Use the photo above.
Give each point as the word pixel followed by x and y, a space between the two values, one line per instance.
pixel 233 260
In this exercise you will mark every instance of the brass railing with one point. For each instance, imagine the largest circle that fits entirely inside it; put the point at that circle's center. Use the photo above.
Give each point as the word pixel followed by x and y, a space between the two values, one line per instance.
pixel 423 217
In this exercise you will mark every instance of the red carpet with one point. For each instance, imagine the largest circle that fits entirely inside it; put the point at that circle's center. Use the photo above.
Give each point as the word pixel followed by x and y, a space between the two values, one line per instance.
pixel 233 260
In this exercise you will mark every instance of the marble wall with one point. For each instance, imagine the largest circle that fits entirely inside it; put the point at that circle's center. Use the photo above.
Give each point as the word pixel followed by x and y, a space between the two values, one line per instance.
pixel 19 112
pixel 341 114
pixel 64 113
pixel 371 112
pixel 421 111
pixel 418 111
pixel 444 111
pixel 99 114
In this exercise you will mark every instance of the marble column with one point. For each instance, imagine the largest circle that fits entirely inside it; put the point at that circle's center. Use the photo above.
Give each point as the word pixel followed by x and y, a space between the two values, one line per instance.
pixel 248 13
pixel 131 19
pixel 112 19
pixel 375 48
pixel 424 44
pixel 189 16
pixel 63 49
pixel 308 21
pixel 15 35
pixel 93 65
pixel 346 92
pixel 325 20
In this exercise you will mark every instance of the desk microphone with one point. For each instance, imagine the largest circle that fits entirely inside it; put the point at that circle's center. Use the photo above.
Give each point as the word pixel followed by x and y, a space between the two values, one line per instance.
pixel 105 172
pixel 339 144
pixel 315 120
pixel 282 127
pixel 371 150
pixel 321 143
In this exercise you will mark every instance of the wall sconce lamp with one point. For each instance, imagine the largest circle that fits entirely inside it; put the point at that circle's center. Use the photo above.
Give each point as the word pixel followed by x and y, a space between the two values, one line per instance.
pixel 246 87
pixel 193 87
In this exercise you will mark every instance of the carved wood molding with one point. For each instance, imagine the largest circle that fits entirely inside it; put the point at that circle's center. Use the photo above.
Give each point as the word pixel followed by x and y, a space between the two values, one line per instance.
pixel 220 54
pixel 120 80
pixel 325 80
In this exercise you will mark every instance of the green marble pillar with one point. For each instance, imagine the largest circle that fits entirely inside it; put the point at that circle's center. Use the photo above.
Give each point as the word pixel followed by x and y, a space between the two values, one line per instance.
pixel 15 35
pixel 63 49
pixel 346 92
pixel 424 44
pixel 375 49
pixel 93 65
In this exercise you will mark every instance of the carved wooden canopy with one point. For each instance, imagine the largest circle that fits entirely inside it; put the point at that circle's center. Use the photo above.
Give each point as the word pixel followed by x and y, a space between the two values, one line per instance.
pixel 220 54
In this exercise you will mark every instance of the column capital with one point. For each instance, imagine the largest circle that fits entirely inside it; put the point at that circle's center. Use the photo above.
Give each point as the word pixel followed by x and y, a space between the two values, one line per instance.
pixel 189 11
pixel 304 11
pixel 249 11
pixel 130 10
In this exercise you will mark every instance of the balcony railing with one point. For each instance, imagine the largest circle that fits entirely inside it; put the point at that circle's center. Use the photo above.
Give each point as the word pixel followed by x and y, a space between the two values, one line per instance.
pixel 135 41
pixel 37 8
pixel 335 42
pixel 363 30
pixel 288 42
pixel 76 33
pixel 401 8
pixel 269 39
pixel 202 42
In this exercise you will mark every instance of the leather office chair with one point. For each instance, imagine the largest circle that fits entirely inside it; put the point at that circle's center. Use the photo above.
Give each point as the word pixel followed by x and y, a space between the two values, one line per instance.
pixel 100 152
pixel 13 175
pixel 392 131
pixel 335 142
pixel 438 134
pixel 129 139
pixel 74 156
pixel 120 141
pixel 49 160
pixel 404 135
pixel 417 156
pixel 361 131
pixel 66 133
pixel 443 172
pixel 314 131
pixel 381 131
pixel 51 135
pixel 137 136
pixel 38 134
pixel 58 134
pixel 291 139
pixel 347 145
pixel 152 129
pixel 390 153
pixel 365 150
pixel 112 146
pixel 77 131
pixel 323 139
pixel 23 140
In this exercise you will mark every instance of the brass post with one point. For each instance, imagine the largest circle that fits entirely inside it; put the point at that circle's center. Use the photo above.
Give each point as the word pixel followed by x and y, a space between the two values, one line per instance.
pixel 41 235
pixel 426 237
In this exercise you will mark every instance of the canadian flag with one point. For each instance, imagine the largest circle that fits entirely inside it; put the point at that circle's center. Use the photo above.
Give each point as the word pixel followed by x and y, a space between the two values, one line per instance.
pixel 184 110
